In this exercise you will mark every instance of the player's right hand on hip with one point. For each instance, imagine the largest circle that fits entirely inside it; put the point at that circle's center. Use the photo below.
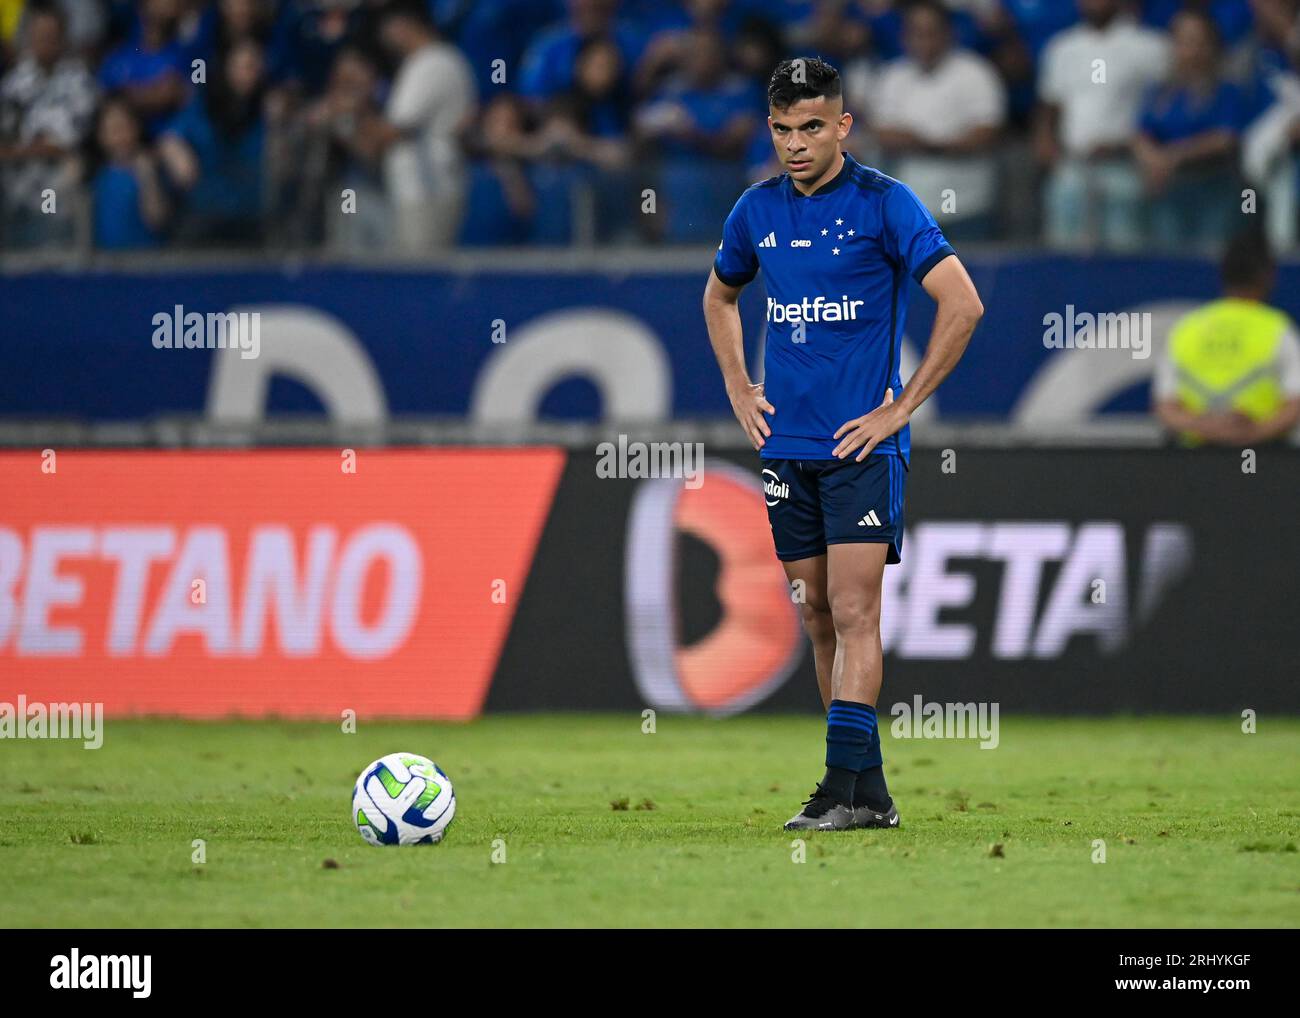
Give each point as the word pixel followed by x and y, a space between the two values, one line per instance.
pixel 749 406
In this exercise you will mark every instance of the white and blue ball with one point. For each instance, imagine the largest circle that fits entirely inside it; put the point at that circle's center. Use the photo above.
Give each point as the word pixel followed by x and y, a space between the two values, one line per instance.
pixel 403 799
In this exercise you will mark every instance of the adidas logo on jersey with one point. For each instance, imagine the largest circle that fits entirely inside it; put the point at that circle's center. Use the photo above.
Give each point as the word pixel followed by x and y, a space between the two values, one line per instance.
pixel 870 520
pixel 769 240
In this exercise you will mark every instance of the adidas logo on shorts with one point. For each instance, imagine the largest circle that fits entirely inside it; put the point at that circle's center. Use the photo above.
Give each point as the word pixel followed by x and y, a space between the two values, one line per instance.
pixel 870 520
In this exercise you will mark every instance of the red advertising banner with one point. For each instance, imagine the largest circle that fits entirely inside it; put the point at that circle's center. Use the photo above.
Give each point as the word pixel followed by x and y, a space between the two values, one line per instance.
pixel 298 583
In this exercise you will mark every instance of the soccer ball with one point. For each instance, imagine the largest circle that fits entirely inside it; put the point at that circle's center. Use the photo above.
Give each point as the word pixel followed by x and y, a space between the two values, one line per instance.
pixel 403 799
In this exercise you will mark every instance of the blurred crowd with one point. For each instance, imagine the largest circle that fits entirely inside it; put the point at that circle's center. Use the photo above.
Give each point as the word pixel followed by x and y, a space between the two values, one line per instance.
pixel 365 126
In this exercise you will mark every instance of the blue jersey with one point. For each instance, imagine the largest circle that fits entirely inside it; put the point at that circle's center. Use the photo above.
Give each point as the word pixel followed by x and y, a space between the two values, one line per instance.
pixel 836 264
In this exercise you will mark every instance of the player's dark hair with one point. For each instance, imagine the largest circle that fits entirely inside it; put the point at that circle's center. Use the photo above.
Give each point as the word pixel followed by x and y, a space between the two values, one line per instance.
pixel 802 78
pixel 1247 260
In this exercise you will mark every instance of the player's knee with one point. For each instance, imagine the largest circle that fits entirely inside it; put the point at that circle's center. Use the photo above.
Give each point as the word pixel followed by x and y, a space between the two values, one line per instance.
pixel 817 621
pixel 855 611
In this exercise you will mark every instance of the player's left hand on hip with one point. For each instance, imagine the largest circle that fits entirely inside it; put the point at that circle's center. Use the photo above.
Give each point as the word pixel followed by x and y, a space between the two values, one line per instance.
pixel 871 429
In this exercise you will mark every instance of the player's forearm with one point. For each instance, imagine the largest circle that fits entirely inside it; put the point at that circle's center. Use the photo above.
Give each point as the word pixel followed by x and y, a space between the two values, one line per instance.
pixel 958 311
pixel 722 318
pixel 954 322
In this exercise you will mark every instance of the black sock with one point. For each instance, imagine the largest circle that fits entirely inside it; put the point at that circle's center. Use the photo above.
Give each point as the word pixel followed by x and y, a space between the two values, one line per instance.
pixel 850 731
pixel 871 790
pixel 838 784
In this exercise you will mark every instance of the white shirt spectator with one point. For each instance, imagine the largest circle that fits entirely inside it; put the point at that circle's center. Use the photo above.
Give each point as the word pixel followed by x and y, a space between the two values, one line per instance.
pixel 1097 77
pixel 960 93
pixel 57 105
pixel 433 93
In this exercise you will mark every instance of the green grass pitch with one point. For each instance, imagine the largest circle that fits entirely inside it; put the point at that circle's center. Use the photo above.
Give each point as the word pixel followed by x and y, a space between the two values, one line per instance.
pixel 605 826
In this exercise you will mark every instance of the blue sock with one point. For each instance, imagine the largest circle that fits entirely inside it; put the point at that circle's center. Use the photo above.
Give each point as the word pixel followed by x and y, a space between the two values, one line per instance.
pixel 851 740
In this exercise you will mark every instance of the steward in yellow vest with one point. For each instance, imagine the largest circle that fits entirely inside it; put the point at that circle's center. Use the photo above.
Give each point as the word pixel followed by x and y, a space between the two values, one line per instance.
pixel 1231 370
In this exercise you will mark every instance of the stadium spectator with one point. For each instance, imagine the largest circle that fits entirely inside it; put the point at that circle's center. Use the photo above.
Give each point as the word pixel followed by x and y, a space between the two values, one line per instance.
pixel 213 153
pixel 1092 80
pixel 550 60
pixel 152 68
pixel 704 109
pixel 837 31
pixel 589 127
pixel 1186 144
pixel 1231 18
pixel 502 199
pixel 1270 75
pixel 666 51
pixel 431 102
pixel 1035 22
pixel 310 34
pixel 938 118
pixel 536 163
pixel 228 22
pixel 1267 52
pixel 841 32
pixel 699 127
pixel 590 119
pixel 490 30
pixel 887 24
pixel 85 23
pixel 47 103
pixel 1017 31
pixel 128 198
pixel 1126 153
pixel 1230 374
pixel 341 154
pixel 757 49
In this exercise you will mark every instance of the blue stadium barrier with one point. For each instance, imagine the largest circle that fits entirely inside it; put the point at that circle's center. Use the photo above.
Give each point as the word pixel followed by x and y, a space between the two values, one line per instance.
pixel 584 339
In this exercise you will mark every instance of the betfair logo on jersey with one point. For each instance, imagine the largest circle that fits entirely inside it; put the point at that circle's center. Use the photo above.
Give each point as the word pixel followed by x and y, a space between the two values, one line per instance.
pixel 819 309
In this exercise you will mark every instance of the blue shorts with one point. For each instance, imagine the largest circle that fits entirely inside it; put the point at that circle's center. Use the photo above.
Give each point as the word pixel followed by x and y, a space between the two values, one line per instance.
pixel 813 503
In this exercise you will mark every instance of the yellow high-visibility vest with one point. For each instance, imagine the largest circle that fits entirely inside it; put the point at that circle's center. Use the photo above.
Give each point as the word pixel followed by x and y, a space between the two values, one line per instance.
pixel 11 16
pixel 1226 358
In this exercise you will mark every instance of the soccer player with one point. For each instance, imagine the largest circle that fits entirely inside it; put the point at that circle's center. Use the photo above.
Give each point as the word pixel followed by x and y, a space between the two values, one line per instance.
pixel 836 242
